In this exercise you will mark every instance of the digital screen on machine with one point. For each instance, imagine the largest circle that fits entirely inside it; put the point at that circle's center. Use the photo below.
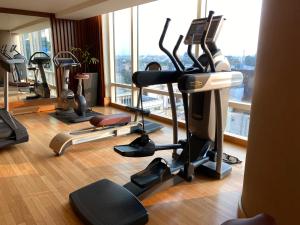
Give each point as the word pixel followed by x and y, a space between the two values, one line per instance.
pixel 196 29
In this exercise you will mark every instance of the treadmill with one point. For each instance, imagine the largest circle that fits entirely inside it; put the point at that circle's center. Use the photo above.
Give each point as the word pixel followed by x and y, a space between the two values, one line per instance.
pixel 11 130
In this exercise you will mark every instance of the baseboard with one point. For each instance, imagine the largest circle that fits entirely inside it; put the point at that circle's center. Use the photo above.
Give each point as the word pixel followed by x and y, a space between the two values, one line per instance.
pixel 32 109
pixel 235 139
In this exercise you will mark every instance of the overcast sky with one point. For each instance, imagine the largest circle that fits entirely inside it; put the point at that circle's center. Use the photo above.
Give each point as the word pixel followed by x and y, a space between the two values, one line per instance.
pixel 238 36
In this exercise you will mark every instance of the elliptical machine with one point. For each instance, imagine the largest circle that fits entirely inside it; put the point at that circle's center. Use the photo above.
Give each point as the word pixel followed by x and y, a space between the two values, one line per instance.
pixel 205 99
pixel 71 106
pixel 40 88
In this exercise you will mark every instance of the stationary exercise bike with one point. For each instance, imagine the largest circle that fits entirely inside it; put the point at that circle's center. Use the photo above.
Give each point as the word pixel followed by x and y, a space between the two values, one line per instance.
pixel 204 89
pixel 71 105
pixel 40 88
pixel 104 126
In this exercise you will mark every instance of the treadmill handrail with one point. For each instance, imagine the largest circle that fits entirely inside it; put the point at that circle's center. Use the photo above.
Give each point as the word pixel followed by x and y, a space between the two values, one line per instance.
pixel 32 57
pixel 73 57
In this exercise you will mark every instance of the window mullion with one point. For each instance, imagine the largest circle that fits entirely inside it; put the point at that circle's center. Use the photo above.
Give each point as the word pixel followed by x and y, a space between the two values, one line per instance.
pixel 134 50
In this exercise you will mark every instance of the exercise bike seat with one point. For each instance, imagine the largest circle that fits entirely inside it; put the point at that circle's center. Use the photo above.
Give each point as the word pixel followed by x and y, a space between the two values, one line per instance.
pixel 261 219
pixel 110 120
pixel 82 76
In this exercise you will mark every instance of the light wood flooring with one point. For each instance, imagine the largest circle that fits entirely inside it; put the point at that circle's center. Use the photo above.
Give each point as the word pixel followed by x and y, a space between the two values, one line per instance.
pixel 35 184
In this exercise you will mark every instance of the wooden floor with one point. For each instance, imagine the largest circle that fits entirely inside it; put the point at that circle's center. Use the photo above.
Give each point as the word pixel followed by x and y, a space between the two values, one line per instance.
pixel 34 184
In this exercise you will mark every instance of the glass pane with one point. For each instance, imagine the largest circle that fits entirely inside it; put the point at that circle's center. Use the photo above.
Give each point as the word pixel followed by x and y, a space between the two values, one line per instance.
pixel 238 40
pixel 39 41
pixel 160 105
pixel 238 122
pixel 123 96
pixel 150 28
pixel 122 44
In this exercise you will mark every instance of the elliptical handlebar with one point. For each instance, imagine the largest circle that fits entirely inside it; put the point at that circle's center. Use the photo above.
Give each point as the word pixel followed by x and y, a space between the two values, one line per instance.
pixel 13 48
pixel 193 58
pixel 57 59
pixel 161 46
pixel 203 41
pixel 175 52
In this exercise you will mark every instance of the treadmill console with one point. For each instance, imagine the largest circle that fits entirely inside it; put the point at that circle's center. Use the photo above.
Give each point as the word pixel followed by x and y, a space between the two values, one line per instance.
pixel 196 29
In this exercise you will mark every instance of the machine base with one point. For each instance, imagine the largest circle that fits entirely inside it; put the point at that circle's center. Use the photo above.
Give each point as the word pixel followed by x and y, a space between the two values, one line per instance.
pixel 209 169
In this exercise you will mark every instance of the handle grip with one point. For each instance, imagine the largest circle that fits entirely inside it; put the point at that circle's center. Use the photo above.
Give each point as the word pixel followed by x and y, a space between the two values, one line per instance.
pixel 175 52
pixel 161 46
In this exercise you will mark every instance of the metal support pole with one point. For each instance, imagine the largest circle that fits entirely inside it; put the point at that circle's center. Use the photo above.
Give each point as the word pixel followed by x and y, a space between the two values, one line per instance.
pixel 174 115
pixel 6 92
pixel 219 131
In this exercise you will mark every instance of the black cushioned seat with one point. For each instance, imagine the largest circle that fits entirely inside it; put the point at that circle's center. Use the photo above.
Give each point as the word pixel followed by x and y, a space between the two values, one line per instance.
pixel 107 203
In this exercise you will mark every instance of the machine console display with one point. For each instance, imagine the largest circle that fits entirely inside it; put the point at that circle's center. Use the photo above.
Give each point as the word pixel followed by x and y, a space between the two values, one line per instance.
pixel 196 29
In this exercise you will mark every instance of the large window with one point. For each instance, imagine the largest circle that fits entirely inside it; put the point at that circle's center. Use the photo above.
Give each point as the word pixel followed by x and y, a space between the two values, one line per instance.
pixel 149 31
pixel 150 28
pixel 39 41
pixel 123 61
pixel 238 41
pixel 122 37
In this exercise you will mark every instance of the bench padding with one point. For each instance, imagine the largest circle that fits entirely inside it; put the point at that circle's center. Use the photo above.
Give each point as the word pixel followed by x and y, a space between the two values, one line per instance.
pixel 110 120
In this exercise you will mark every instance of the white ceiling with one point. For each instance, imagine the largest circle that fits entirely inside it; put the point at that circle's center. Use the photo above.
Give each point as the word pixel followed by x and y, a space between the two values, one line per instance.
pixel 97 7
pixel 72 9
pixel 12 21
pixel 51 6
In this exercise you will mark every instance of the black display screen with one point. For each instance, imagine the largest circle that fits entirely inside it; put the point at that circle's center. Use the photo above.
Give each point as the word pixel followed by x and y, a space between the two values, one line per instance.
pixel 196 29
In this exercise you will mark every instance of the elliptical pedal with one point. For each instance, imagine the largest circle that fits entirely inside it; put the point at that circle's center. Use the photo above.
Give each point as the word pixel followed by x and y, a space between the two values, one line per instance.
pixel 152 174
pixel 107 203
pixel 149 127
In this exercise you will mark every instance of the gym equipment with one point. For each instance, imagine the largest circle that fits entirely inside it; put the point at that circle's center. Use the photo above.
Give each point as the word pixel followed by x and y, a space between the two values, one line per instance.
pixel 21 80
pixel 19 70
pixel 41 89
pixel 105 126
pixel 205 98
pixel 72 107
pixel 11 130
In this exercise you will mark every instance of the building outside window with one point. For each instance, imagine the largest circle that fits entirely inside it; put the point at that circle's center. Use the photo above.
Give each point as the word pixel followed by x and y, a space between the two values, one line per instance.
pixel 237 40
